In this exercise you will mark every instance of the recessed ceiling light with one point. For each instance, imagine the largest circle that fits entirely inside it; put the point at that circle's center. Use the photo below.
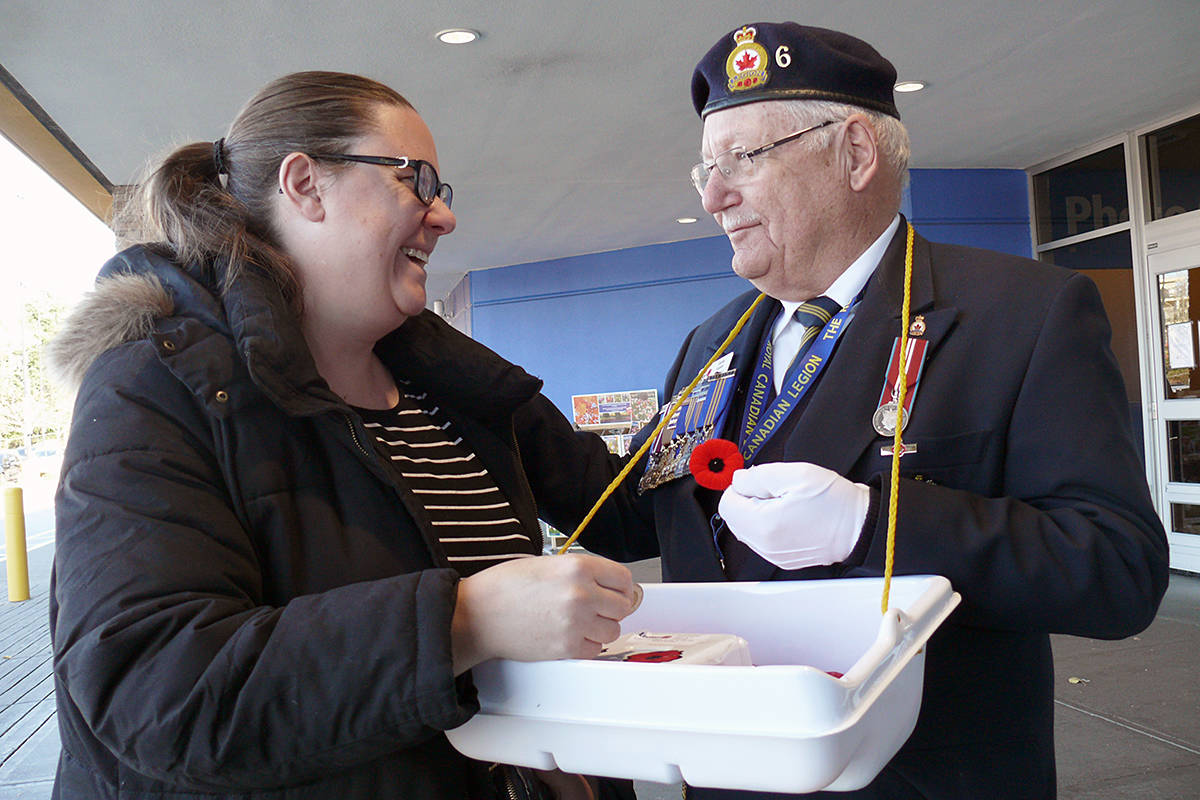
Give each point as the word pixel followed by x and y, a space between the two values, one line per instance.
pixel 686 220
pixel 910 86
pixel 457 36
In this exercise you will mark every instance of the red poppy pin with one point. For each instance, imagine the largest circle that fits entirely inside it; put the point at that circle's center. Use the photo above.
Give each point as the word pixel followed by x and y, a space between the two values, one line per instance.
pixel 656 656
pixel 713 463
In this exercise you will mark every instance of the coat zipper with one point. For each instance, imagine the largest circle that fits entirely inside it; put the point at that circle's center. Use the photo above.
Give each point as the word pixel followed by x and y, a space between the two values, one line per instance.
pixel 354 436
pixel 512 432
pixel 510 789
pixel 508 777
pixel 427 534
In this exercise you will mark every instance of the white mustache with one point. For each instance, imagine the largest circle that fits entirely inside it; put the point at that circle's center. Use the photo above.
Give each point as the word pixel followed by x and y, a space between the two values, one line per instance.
pixel 730 224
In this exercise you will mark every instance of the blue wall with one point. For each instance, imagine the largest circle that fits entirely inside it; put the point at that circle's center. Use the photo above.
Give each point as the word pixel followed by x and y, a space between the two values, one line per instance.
pixel 986 208
pixel 614 321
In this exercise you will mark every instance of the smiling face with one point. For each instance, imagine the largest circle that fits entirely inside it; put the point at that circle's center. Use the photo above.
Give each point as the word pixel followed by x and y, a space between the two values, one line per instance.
pixel 786 215
pixel 363 267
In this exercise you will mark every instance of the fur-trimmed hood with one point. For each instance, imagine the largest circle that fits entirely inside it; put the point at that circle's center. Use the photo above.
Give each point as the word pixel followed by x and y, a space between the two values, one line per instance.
pixel 122 308
pixel 140 292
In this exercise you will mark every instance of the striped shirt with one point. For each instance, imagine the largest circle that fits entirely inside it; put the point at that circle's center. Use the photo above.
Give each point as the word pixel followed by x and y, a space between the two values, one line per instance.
pixel 473 520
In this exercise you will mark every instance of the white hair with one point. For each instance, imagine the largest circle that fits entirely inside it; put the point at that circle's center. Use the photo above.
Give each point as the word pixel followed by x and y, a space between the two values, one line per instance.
pixel 890 132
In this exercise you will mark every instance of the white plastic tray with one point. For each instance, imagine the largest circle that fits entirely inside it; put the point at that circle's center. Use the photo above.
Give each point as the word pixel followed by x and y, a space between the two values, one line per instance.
pixel 784 725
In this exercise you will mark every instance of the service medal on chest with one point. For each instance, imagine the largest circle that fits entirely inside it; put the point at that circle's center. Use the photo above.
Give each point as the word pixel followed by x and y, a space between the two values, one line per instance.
pixel 884 419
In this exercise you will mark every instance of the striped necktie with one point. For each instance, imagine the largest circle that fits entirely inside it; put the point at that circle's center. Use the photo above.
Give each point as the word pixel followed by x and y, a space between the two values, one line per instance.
pixel 793 341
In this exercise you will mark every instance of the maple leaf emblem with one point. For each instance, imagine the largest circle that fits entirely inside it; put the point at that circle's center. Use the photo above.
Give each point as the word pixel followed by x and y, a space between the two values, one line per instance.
pixel 747 61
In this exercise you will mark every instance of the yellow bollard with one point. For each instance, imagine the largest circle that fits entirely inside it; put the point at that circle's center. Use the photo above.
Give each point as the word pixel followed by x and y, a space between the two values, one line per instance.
pixel 18 557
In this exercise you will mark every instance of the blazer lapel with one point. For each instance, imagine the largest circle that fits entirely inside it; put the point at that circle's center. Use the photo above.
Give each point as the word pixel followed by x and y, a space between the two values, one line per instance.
pixel 745 346
pixel 835 429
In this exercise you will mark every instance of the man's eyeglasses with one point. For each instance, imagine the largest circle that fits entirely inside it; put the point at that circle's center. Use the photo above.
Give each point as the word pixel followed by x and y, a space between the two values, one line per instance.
pixel 425 178
pixel 737 164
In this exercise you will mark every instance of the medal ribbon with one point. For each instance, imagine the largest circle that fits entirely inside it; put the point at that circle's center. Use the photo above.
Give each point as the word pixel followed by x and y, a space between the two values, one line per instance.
pixel 761 420
pixel 662 423
pixel 914 359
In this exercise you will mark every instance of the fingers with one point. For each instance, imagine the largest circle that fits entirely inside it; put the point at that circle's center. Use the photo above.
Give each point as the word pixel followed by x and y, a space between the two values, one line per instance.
pixel 606 573
pixel 542 608
pixel 637 597
pixel 735 506
pixel 795 514
pixel 618 580
pixel 776 479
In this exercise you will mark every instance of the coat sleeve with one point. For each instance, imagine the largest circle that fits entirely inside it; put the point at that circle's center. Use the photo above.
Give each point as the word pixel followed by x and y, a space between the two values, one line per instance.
pixel 1071 542
pixel 163 642
pixel 573 468
pixel 568 470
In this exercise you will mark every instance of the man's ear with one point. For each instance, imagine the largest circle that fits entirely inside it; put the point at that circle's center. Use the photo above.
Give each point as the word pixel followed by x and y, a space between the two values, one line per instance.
pixel 860 151
pixel 300 186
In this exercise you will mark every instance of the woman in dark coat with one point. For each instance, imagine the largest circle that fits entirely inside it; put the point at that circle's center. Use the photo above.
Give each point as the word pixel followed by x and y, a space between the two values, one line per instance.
pixel 295 507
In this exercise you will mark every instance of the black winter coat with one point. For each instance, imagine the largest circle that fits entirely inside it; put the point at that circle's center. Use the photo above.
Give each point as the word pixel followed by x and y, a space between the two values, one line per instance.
pixel 244 601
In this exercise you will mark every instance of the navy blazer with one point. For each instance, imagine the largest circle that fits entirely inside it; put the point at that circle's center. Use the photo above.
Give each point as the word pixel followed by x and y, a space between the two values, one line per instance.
pixel 1026 491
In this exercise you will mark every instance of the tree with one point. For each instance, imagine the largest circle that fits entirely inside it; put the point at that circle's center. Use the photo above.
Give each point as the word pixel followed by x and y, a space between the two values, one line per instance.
pixel 31 409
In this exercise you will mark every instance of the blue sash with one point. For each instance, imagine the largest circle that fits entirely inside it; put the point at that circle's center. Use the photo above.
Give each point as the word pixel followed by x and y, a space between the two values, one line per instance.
pixel 764 416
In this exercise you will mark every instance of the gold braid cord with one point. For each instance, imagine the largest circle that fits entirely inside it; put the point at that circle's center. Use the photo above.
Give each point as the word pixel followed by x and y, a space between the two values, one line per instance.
pixel 896 442
pixel 612 487
pixel 897 445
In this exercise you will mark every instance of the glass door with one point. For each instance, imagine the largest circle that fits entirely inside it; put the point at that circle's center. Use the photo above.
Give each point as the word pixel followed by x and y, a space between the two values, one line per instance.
pixel 1176 363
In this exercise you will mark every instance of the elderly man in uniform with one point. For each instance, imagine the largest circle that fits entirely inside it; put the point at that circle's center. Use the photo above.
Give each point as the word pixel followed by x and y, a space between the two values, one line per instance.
pixel 1019 477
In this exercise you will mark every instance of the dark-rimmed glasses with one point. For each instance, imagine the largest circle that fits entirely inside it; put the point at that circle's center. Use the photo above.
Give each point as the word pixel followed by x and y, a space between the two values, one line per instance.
pixel 737 163
pixel 425 178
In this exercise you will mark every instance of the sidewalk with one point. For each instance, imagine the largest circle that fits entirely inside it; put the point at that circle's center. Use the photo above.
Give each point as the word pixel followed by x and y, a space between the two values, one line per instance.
pixel 1128 726
pixel 28 729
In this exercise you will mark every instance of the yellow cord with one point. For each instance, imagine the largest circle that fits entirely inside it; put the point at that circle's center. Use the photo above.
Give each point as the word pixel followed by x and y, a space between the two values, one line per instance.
pixel 902 383
pixel 612 487
pixel 897 445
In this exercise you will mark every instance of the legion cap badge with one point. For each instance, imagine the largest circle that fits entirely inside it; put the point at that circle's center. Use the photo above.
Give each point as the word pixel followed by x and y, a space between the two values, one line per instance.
pixel 747 63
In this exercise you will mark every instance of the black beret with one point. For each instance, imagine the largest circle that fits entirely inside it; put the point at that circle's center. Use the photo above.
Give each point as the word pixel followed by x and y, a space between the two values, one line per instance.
pixel 788 61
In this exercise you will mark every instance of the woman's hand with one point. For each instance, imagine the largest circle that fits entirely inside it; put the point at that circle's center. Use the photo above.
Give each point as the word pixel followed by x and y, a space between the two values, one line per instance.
pixel 542 608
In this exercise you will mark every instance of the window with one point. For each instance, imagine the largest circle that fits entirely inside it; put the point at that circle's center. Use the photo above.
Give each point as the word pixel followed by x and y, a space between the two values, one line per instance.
pixel 1085 195
pixel 1179 315
pixel 1183 445
pixel 1113 251
pixel 1173 167
pixel 1185 518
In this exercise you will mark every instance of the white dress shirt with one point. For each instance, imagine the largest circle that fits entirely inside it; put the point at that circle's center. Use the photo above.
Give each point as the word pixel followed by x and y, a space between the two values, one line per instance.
pixel 788 332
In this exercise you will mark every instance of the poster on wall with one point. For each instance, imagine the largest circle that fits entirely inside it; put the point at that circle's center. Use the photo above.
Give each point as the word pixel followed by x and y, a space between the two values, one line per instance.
pixel 616 416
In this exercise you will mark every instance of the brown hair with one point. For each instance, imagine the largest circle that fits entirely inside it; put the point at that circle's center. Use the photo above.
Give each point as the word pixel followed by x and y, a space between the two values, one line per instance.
pixel 221 224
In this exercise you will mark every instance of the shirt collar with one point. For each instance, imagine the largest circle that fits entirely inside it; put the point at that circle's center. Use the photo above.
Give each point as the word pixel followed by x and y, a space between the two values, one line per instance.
pixel 852 280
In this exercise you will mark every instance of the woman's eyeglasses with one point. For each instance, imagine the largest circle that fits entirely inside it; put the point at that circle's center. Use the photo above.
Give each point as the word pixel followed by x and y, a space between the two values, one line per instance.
pixel 425 178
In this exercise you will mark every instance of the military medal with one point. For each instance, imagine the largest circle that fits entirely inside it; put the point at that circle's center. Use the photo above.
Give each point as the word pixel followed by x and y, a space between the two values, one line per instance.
pixel 697 420
pixel 884 418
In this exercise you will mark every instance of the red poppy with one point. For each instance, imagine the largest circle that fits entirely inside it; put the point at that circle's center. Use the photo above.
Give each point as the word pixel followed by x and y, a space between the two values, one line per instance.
pixel 656 656
pixel 714 462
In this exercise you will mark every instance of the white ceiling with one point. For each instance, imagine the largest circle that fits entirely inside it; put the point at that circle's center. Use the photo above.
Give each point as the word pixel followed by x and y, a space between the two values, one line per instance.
pixel 568 127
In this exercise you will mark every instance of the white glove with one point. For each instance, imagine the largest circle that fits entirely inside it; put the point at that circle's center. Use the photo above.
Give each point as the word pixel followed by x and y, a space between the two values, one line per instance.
pixel 795 514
